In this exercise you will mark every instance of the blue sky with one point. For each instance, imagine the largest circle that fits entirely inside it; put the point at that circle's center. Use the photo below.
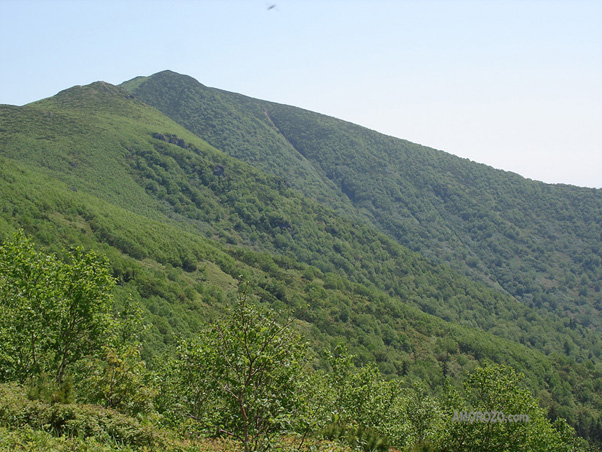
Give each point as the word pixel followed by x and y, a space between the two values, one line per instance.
pixel 515 84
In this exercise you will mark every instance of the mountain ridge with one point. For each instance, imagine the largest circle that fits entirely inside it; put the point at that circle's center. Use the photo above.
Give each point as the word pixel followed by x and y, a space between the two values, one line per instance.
pixel 447 208
pixel 285 224
pixel 182 222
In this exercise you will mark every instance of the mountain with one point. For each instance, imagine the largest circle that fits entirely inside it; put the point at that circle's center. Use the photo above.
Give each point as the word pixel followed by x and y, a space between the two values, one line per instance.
pixel 537 242
pixel 183 220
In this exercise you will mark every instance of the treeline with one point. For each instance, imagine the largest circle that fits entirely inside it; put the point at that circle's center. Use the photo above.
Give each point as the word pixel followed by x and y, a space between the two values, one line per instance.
pixel 71 367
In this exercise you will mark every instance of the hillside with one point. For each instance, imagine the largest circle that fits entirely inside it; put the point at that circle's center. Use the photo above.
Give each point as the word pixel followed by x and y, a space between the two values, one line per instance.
pixel 539 243
pixel 183 223
pixel 123 155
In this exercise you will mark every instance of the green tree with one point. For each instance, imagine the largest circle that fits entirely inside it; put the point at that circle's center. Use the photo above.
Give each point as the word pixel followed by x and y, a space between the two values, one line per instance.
pixel 53 312
pixel 365 410
pixel 120 380
pixel 499 415
pixel 240 377
pixel 423 413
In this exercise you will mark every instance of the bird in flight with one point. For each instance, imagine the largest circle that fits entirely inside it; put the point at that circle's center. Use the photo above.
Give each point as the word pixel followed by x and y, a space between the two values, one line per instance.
pixel 270 7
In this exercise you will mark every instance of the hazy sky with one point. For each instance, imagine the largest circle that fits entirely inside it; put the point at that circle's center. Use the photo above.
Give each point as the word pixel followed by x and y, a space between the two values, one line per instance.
pixel 515 84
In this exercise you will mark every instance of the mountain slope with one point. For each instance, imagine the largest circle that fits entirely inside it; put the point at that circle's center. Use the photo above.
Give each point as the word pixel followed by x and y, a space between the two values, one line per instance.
pixel 539 243
pixel 124 152
pixel 183 222
pixel 226 123
pixel 149 258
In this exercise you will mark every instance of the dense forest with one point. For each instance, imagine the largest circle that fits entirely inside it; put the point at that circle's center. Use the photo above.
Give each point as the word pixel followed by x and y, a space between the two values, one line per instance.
pixel 375 314
pixel 538 242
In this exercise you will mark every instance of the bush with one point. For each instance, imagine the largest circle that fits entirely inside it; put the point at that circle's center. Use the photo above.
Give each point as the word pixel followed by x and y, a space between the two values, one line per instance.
pixel 52 313
pixel 239 379
pixel 119 381
pixel 17 411
pixel 497 389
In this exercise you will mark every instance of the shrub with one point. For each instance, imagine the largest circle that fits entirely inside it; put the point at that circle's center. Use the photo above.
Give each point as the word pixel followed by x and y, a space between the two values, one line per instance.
pixel 17 411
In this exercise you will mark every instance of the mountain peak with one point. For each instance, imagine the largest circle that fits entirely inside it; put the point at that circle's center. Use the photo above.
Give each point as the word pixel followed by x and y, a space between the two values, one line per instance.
pixel 97 96
pixel 94 89
pixel 166 78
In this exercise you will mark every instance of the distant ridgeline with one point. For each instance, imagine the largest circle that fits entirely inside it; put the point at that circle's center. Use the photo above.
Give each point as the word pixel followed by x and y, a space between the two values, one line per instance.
pixel 425 264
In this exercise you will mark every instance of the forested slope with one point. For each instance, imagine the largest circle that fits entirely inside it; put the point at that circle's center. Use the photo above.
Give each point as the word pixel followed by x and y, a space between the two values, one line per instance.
pixel 538 242
pixel 183 223
pixel 99 140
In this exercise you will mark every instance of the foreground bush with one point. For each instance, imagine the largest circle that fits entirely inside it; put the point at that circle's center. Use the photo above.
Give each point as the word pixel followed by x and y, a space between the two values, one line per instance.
pixel 498 414
pixel 240 378
pixel 75 420
pixel 53 313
